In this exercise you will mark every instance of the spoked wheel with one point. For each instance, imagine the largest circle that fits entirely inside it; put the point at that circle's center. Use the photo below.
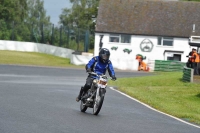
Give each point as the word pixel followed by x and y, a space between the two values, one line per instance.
pixel 97 105
pixel 83 108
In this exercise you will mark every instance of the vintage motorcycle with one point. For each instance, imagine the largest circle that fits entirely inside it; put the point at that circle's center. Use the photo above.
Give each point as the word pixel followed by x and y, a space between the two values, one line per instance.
pixel 94 97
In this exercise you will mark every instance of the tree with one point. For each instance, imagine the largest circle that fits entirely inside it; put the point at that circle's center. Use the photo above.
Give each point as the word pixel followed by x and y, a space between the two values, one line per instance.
pixel 11 11
pixel 38 21
pixel 79 17
pixel 20 19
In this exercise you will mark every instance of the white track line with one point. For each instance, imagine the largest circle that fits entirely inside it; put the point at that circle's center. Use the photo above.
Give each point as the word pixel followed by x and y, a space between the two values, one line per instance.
pixel 154 109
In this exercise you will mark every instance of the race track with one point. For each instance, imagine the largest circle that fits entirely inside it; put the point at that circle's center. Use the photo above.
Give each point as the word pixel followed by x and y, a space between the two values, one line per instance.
pixel 42 100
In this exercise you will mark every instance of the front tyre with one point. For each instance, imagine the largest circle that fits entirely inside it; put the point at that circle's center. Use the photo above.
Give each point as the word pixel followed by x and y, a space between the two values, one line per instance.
pixel 83 108
pixel 97 105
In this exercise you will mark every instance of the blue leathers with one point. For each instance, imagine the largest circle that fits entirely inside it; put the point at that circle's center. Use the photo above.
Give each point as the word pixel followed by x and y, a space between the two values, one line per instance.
pixel 99 67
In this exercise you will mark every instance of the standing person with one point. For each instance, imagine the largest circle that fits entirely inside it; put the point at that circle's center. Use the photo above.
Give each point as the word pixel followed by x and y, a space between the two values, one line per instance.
pixel 195 61
pixel 189 62
pixel 99 65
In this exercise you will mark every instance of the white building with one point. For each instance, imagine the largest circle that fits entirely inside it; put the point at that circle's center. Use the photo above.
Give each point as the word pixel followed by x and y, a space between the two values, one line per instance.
pixel 159 30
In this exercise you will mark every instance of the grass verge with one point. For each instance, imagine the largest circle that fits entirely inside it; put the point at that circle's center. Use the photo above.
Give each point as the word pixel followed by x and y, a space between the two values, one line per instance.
pixel 36 59
pixel 165 92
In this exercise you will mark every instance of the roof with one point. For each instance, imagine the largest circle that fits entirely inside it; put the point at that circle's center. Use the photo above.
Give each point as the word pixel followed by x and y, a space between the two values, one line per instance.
pixel 148 17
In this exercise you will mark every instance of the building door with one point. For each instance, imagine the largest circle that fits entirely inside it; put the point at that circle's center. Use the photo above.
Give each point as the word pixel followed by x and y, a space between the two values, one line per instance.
pixel 175 57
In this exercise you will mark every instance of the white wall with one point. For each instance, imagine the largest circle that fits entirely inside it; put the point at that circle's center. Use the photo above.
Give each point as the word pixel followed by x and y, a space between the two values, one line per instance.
pixel 35 47
pixel 80 59
pixel 124 61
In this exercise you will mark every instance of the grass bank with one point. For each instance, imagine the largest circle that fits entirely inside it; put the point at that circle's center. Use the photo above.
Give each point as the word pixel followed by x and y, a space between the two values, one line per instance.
pixel 36 59
pixel 165 92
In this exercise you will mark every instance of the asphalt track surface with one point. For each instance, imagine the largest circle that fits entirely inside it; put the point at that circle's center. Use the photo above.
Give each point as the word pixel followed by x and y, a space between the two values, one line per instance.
pixel 42 100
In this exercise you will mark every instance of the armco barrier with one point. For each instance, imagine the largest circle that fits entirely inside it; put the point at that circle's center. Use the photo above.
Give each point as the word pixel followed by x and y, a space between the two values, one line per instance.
pixel 35 47
pixel 79 59
pixel 188 74
pixel 168 66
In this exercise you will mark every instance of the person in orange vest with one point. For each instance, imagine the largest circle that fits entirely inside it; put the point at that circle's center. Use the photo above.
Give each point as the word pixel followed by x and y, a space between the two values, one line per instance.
pixel 142 65
pixel 195 61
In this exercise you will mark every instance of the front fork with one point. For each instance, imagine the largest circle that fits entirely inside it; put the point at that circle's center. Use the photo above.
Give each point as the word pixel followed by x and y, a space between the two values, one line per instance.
pixel 100 93
pixel 97 94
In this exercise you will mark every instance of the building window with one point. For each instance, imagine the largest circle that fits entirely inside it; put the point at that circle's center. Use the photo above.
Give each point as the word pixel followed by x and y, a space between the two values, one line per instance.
pixel 125 39
pixel 165 41
pixel 114 38
pixel 120 38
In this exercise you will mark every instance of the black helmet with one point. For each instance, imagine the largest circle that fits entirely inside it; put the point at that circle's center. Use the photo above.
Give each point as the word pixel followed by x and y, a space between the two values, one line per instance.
pixel 104 55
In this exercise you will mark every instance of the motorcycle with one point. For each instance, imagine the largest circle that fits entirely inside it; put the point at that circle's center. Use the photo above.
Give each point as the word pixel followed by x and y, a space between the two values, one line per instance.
pixel 94 97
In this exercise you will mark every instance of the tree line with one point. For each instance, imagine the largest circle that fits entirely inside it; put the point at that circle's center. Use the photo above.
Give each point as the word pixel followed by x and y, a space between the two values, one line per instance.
pixel 81 16
pixel 18 19
pixel 26 20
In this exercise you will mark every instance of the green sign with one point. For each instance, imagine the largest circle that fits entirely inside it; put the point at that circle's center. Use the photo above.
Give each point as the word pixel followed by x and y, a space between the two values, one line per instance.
pixel 114 48
pixel 126 50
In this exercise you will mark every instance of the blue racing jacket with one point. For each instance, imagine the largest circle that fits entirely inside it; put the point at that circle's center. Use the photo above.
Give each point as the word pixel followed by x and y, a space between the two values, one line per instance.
pixel 99 67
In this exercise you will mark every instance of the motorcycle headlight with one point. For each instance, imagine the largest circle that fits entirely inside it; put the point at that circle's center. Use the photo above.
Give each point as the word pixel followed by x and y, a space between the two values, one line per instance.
pixel 102 82
pixel 95 81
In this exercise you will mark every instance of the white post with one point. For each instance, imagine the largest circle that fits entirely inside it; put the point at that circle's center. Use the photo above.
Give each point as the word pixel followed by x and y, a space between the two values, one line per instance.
pixel 192 75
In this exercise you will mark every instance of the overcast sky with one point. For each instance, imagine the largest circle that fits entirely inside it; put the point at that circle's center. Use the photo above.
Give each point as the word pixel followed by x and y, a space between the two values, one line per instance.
pixel 54 8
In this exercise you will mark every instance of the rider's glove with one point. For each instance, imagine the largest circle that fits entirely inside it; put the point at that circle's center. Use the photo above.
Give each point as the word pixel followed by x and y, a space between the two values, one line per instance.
pixel 89 70
pixel 114 78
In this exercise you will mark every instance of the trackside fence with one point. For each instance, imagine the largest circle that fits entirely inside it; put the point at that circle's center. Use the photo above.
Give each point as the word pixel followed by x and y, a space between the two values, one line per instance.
pixel 173 66
pixel 188 74
pixel 168 66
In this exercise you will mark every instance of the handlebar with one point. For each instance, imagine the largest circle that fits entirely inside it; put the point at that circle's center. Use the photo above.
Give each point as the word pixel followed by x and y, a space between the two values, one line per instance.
pixel 93 73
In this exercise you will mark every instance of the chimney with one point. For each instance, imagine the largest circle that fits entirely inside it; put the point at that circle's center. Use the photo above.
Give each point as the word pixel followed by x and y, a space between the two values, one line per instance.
pixel 193 28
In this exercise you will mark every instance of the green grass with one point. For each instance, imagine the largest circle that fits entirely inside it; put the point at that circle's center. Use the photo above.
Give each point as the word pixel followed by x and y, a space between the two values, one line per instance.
pixel 165 92
pixel 36 59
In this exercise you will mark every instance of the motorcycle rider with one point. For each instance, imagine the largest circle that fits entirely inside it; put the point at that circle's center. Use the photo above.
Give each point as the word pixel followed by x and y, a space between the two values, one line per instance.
pixel 98 64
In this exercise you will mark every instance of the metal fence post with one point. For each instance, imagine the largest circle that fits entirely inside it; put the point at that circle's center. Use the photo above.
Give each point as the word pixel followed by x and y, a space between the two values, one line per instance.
pixel 60 36
pixel 52 35
pixel 86 41
pixel 13 26
pixel 42 39
pixel 68 36
pixel 32 36
pixel 78 39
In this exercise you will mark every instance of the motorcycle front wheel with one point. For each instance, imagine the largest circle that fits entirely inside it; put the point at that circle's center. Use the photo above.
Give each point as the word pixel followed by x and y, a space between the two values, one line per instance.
pixel 97 105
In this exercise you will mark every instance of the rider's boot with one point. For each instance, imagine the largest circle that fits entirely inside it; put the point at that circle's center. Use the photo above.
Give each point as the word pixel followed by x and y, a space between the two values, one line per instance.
pixel 80 94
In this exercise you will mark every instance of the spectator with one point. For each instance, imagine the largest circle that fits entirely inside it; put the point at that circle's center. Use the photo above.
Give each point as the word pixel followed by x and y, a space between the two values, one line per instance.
pixel 189 62
pixel 195 61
